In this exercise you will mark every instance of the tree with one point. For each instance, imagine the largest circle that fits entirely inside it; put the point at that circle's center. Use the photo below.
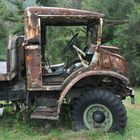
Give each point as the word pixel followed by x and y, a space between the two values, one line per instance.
pixel 3 30
pixel 112 9
pixel 46 2
pixel 11 22
pixel 16 17
pixel 128 38
pixel 63 3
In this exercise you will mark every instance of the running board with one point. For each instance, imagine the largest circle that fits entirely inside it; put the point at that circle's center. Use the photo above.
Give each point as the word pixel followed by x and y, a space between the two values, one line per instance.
pixel 45 113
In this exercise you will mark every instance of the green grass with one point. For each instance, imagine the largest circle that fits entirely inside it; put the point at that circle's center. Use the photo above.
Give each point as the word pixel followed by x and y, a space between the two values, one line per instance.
pixel 13 128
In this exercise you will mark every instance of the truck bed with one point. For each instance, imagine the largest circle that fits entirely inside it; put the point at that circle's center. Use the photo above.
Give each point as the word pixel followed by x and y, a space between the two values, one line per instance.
pixel 4 74
pixel 3 67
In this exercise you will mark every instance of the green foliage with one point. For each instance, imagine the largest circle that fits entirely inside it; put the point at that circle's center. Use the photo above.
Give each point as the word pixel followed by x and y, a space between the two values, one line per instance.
pixel 128 38
pixel 11 22
pixel 46 3
pixel 16 17
pixel 63 3
pixel 3 30
pixel 57 39
pixel 113 9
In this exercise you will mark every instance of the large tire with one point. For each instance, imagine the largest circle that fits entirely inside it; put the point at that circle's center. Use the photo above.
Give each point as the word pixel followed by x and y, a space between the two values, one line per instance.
pixel 99 109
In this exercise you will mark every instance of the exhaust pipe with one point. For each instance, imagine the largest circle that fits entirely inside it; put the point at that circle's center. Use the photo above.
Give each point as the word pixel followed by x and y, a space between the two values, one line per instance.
pixel 1 111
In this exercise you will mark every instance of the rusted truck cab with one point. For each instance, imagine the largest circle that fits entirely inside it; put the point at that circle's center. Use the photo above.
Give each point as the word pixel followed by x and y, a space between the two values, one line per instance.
pixel 94 86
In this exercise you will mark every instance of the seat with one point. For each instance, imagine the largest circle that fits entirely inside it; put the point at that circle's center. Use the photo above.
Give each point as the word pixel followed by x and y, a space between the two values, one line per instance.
pixel 55 70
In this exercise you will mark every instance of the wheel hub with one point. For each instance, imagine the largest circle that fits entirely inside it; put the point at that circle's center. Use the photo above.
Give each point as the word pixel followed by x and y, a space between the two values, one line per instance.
pixel 98 116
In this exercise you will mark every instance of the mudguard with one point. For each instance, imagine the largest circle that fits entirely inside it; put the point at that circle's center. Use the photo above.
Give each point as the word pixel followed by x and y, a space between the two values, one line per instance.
pixel 82 73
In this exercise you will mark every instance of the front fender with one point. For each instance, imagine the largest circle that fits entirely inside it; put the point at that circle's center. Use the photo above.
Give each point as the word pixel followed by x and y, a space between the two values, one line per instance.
pixel 82 73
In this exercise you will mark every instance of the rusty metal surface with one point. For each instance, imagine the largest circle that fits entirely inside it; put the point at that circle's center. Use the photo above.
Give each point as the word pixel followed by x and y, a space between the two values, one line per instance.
pixel 20 41
pixel 33 66
pixel 12 54
pixel 111 49
pixel 113 62
pixel 46 88
pixel 8 76
pixel 4 77
pixel 45 113
pixel 109 64
pixel 61 11
pixel 32 27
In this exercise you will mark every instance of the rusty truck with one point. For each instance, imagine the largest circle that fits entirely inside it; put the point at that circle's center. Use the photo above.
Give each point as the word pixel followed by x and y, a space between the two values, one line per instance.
pixel 93 86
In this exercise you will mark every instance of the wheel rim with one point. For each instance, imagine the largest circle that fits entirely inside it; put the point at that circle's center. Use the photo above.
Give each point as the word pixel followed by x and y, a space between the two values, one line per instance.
pixel 98 117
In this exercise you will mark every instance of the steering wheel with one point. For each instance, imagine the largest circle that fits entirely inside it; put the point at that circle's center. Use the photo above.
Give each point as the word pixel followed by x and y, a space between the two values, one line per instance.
pixel 70 43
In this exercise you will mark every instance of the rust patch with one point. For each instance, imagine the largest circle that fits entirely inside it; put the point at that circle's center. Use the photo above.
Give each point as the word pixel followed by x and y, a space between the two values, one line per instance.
pixel 111 49
pixel 4 77
pixel 112 61
pixel 29 58
pixel 33 66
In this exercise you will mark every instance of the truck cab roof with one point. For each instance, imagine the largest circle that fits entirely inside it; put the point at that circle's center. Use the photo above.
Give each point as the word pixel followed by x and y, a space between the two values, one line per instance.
pixel 62 16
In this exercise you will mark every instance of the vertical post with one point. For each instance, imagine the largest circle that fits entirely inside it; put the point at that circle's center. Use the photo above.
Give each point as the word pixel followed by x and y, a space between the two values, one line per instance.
pixel 99 38
pixel 96 55
pixel 33 66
